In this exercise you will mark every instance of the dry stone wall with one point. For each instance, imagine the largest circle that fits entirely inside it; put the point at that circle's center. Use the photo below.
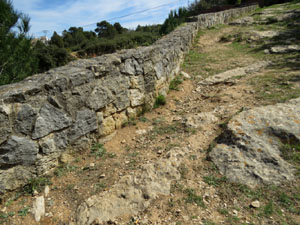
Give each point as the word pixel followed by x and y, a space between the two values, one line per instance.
pixel 71 106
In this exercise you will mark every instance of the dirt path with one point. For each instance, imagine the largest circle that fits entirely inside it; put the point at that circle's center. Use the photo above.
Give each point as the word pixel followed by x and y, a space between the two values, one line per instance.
pixel 200 196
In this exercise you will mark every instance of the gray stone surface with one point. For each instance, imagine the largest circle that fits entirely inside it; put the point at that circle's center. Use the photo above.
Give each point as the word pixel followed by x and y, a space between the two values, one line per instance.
pixel 18 151
pixel 200 120
pixel 86 122
pixel 5 129
pixel 237 72
pixel 133 193
pixel 136 97
pixel 24 122
pixel 99 98
pixel 15 177
pixel 50 119
pixel 47 144
pixel 249 150
pixel 284 49
pixel 38 209
pixel 243 21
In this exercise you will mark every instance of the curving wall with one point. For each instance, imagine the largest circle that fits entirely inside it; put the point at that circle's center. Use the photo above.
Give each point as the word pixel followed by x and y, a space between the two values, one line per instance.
pixel 71 106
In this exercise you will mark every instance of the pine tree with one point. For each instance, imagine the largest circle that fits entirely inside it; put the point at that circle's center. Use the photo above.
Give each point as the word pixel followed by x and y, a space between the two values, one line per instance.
pixel 17 60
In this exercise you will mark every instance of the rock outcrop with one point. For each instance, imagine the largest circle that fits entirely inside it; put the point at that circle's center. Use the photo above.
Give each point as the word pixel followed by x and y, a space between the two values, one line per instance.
pixel 133 193
pixel 248 151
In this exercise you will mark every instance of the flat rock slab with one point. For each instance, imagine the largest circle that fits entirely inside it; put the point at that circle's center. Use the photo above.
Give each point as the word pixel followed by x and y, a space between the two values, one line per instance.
pixel 133 193
pixel 243 21
pixel 248 151
pixel 284 49
pixel 240 71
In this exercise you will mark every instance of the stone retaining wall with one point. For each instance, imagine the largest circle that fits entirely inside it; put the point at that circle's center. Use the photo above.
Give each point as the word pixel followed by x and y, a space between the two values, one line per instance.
pixel 72 106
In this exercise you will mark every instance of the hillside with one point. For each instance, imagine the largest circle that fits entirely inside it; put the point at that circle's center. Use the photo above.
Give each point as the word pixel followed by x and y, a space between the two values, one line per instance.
pixel 190 160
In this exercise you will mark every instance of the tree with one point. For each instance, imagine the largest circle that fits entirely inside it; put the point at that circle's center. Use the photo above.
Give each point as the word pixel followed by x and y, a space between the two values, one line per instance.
pixel 105 30
pixel 119 28
pixel 17 60
pixel 57 40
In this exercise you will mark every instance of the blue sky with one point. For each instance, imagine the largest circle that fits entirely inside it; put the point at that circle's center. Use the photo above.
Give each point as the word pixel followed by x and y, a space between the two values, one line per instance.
pixel 58 15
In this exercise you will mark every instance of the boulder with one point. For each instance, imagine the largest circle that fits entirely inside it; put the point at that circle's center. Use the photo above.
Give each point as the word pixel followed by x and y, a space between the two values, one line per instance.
pixel 15 177
pixel 248 151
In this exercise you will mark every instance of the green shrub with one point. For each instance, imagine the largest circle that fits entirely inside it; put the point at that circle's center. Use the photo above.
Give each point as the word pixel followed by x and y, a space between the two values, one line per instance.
pixel 160 100
pixel 174 84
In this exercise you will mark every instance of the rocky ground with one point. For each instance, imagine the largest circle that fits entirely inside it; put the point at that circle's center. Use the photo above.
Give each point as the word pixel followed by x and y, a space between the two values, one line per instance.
pixel 219 151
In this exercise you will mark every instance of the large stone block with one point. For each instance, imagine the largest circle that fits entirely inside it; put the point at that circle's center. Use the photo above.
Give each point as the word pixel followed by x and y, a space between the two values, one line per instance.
pixel 15 177
pixel 99 98
pixel 25 119
pixel 122 101
pixel 108 126
pixel 50 119
pixel 86 122
pixel 18 151
pixel 137 98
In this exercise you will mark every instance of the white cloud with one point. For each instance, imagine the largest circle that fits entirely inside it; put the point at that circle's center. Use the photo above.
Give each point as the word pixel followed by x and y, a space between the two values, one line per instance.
pixel 64 14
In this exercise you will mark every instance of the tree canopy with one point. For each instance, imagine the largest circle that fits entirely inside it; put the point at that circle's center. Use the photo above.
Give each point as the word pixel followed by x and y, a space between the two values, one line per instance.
pixel 16 55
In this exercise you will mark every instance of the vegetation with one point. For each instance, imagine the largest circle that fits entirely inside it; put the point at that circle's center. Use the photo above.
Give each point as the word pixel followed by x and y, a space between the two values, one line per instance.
pixel 160 100
pixel 16 55
pixel 192 197
pixel 174 84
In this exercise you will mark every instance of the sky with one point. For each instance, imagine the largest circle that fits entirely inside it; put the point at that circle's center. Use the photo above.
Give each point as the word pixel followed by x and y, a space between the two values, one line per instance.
pixel 59 15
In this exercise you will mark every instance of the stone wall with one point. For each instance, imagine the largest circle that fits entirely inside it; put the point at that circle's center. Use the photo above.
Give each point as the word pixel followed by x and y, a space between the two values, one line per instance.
pixel 72 106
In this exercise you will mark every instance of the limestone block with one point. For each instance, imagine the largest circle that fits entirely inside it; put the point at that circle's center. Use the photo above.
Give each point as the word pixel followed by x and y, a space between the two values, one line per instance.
pixel 99 98
pixel 131 112
pixel 249 151
pixel 128 67
pixel 137 82
pixel 15 177
pixel 18 151
pixel 44 164
pixel 136 97
pixel 159 70
pixel 50 119
pixel 109 110
pixel 120 119
pixel 25 119
pixel 86 122
pixel 38 208
pixel 122 101
pixel 47 144
pixel 108 126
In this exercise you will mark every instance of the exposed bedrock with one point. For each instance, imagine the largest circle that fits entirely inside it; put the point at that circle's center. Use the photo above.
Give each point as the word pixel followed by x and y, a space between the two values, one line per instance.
pixel 249 150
